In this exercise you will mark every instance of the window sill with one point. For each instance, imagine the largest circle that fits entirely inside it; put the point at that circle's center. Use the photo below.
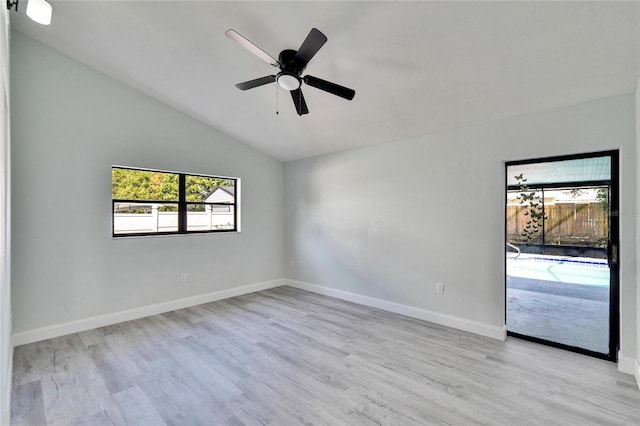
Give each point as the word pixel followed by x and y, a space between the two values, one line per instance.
pixel 170 234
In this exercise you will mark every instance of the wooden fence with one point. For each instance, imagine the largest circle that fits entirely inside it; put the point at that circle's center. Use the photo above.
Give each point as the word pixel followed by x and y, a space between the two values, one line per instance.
pixel 584 224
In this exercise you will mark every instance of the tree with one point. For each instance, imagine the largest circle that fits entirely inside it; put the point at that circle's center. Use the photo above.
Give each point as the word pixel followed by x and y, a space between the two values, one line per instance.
pixel 534 206
pixel 603 195
pixel 131 184
pixel 145 185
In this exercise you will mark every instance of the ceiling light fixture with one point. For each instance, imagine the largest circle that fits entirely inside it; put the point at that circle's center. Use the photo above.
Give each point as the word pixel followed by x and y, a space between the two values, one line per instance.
pixel 38 10
pixel 288 81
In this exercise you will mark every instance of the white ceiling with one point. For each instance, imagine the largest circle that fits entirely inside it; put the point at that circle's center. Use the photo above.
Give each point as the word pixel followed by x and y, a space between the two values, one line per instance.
pixel 417 67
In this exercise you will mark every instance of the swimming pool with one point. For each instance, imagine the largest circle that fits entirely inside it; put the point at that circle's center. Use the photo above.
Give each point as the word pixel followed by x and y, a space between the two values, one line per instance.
pixel 574 270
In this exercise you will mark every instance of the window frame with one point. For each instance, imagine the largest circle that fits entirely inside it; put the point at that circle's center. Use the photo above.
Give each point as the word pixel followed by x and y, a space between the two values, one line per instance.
pixel 182 204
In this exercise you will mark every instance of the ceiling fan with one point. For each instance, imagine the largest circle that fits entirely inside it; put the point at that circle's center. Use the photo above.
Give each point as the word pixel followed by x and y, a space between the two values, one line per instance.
pixel 291 64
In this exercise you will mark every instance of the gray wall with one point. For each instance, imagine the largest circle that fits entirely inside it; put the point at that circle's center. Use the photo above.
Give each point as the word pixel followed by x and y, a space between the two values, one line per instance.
pixel 637 366
pixel 6 350
pixel 70 124
pixel 389 221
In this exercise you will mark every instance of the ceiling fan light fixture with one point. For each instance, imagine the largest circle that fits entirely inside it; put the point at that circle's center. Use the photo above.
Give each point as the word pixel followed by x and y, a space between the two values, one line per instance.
pixel 288 81
pixel 40 11
pixel 292 63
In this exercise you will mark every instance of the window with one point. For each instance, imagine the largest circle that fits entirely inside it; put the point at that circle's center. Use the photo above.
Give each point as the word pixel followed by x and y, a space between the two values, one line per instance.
pixel 149 202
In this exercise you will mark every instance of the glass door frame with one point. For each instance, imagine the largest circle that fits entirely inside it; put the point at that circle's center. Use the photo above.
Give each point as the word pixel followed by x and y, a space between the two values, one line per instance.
pixel 613 248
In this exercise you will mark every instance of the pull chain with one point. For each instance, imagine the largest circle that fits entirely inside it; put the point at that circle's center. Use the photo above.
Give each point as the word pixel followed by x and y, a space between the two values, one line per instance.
pixel 277 92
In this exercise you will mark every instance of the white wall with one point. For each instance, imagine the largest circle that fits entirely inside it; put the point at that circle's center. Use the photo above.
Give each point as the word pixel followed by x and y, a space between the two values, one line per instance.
pixel 389 221
pixel 70 124
pixel 6 348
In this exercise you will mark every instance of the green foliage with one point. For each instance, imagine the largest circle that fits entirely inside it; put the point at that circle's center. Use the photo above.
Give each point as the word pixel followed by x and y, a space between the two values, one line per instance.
pixel 534 209
pixel 603 195
pixel 158 186
pixel 144 185
pixel 198 188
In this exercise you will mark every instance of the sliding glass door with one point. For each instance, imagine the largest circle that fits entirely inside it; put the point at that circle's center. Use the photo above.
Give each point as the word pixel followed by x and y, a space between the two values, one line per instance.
pixel 561 252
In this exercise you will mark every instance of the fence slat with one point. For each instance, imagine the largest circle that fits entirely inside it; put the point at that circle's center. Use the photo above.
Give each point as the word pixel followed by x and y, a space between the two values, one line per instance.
pixel 566 224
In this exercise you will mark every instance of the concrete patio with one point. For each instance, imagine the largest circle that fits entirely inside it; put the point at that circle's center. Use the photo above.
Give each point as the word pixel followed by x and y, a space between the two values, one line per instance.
pixel 563 312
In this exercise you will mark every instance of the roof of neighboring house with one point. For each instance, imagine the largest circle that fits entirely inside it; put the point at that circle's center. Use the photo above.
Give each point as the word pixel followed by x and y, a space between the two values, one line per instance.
pixel 230 190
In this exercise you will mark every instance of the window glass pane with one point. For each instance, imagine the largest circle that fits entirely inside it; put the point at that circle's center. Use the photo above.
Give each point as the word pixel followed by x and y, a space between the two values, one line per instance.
pixel 577 170
pixel 138 218
pixel 200 189
pixel 207 217
pixel 141 185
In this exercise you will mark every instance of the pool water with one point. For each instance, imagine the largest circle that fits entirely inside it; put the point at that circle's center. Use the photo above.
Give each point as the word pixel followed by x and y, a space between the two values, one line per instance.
pixel 577 270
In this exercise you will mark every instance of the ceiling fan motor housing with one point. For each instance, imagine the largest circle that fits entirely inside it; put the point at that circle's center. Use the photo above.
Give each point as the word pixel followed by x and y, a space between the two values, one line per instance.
pixel 289 63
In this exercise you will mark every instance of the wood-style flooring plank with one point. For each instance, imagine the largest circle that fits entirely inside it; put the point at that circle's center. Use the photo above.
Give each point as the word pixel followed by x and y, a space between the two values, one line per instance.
pixel 287 357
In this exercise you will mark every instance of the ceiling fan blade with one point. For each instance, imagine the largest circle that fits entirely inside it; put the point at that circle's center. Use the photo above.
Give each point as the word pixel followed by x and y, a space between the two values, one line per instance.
pixel 257 82
pixel 299 102
pixel 238 38
pixel 327 86
pixel 310 46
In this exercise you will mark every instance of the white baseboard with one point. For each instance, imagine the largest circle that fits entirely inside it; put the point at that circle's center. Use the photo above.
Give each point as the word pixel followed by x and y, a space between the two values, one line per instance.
pixel 57 330
pixel 625 363
pixel 495 332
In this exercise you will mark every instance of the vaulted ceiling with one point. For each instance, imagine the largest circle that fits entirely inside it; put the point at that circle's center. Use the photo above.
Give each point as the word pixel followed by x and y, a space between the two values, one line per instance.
pixel 417 67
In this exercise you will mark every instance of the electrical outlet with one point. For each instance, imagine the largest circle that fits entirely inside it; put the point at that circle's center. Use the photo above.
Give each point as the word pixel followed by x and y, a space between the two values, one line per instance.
pixel 440 288
pixel 183 277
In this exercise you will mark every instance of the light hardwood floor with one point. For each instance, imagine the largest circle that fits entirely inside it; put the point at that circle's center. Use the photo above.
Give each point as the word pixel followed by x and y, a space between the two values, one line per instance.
pixel 286 357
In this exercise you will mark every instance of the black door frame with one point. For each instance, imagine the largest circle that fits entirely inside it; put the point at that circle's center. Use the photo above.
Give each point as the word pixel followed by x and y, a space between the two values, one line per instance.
pixel 613 249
